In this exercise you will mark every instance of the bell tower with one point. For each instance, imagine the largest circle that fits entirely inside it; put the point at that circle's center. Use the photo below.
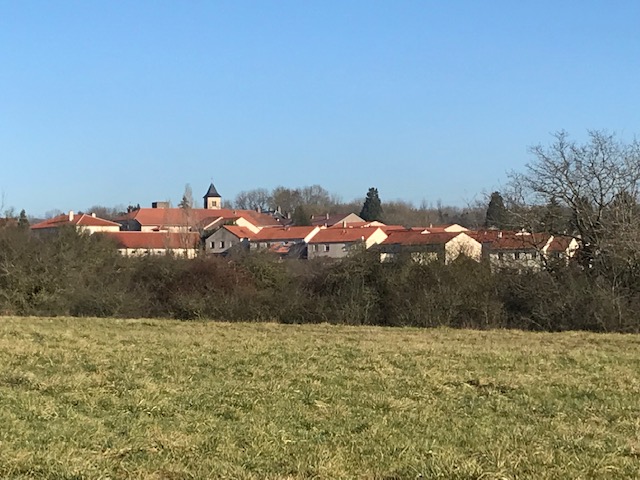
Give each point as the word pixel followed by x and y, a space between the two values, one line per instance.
pixel 212 199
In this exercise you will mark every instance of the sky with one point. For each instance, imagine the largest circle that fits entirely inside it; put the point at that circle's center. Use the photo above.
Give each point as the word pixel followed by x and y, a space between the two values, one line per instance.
pixel 116 103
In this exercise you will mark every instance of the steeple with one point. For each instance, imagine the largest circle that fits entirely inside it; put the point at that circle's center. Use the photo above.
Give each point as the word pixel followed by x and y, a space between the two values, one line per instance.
pixel 212 199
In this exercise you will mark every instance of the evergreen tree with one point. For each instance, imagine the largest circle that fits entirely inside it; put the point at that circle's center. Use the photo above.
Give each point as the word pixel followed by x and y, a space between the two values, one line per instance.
pixel 372 207
pixel 23 221
pixel 553 219
pixel 496 212
pixel 300 217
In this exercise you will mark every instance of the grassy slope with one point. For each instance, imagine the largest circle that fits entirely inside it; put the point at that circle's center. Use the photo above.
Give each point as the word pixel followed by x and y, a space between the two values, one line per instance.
pixel 161 399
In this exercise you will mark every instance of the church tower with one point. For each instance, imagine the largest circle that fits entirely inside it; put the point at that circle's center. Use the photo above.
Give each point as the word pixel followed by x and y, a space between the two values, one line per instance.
pixel 212 199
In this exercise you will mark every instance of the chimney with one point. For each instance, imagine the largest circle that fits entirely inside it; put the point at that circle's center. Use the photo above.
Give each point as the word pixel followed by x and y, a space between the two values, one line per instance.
pixel 71 215
pixel 344 224
pixel 327 215
pixel 500 234
pixel 93 214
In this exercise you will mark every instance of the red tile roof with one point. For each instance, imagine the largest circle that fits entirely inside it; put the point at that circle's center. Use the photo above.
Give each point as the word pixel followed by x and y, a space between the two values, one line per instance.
pixel 195 216
pixel 240 232
pixel 154 240
pixel 560 244
pixel 283 234
pixel 484 236
pixel 357 224
pixel 79 219
pixel 534 241
pixel 330 220
pixel 416 237
pixel 343 235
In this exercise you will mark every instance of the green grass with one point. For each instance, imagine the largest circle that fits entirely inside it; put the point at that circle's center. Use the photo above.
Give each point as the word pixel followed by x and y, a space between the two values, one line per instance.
pixel 96 398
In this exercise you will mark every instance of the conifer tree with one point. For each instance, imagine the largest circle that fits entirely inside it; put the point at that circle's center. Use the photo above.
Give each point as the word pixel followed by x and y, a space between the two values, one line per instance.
pixel 300 216
pixel 23 221
pixel 496 212
pixel 372 207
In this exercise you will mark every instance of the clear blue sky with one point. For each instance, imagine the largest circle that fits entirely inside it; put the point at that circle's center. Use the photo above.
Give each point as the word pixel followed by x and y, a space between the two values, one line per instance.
pixel 109 102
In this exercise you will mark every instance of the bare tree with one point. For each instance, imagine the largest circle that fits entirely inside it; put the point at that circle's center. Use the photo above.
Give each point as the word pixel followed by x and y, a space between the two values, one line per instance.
pixel 287 199
pixel 258 198
pixel 597 182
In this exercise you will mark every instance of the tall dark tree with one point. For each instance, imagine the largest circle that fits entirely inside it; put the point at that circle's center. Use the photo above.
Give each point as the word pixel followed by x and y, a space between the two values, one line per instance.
pixel 372 207
pixel 23 221
pixel 496 212
pixel 300 216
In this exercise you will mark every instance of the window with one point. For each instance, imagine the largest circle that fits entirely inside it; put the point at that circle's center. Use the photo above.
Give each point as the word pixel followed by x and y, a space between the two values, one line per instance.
pixel 326 248
pixel 222 244
pixel 213 245
pixel 517 255
pixel 315 248
pixel 500 255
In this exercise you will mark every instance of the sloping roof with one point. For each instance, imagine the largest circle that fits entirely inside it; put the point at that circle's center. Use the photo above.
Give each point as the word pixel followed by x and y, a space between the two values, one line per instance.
pixel 446 227
pixel 358 224
pixel 240 232
pixel 335 219
pixel 212 192
pixel 343 235
pixel 485 236
pixel 415 237
pixel 80 219
pixel 283 234
pixel 194 216
pixel 560 244
pixel 533 241
pixel 154 240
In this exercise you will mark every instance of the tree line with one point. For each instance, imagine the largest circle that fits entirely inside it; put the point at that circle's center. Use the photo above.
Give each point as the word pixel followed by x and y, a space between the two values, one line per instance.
pixel 80 275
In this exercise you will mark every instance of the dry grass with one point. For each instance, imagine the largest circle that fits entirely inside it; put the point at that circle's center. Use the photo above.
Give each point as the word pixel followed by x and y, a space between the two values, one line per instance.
pixel 95 398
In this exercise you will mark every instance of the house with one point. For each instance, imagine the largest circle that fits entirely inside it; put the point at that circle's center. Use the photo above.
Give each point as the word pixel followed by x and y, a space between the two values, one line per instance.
pixel 227 237
pixel 82 222
pixel 284 241
pixel 182 244
pixel 423 246
pixel 338 242
pixel 524 250
pixel 336 219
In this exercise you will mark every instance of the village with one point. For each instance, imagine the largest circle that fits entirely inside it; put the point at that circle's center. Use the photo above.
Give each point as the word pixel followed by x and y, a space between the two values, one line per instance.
pixel 214 230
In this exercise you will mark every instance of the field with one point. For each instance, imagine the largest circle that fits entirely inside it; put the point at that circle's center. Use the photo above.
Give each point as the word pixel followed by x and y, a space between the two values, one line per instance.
pixel 96 398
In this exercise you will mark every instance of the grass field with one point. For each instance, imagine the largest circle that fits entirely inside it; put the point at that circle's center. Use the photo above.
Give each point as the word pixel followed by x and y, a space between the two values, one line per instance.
pixel 96 398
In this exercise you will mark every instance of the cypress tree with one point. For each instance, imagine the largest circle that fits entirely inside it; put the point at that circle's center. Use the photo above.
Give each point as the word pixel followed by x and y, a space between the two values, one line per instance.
pixel 372 207
pixel 496 212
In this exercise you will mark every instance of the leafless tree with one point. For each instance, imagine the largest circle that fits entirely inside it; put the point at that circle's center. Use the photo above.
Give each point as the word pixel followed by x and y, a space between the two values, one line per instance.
pixel 598 184
pixel 258 198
